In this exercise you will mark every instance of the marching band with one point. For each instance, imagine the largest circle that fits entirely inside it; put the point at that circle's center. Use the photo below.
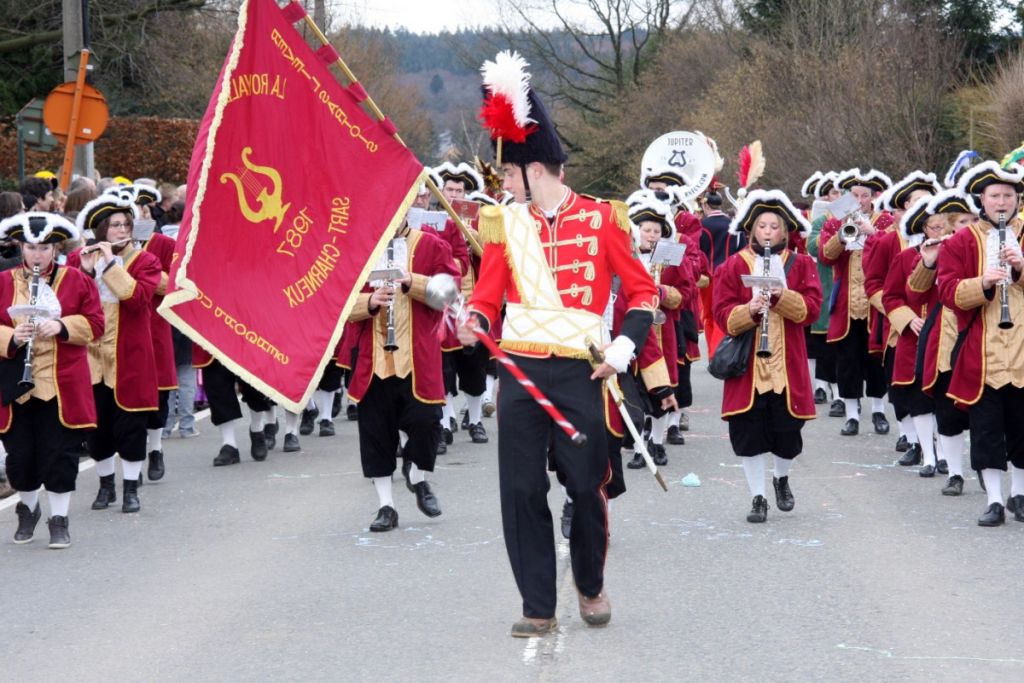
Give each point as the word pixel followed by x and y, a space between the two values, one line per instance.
pixel 903 289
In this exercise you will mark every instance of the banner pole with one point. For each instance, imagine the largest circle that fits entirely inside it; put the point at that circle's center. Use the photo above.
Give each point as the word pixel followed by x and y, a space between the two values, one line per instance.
pixel 375 110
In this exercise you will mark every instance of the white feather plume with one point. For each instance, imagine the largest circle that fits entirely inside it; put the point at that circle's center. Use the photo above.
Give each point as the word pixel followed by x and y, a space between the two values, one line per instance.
pixel 507 76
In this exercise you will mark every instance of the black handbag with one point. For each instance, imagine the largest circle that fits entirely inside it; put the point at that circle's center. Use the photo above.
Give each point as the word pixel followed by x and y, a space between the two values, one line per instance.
pixel 732 356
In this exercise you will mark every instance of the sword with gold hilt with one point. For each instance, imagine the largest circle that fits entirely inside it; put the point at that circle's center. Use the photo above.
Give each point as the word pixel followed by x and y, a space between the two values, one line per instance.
pixel 597 358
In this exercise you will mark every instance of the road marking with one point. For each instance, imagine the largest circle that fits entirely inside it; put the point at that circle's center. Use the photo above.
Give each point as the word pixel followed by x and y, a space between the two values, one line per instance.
pixel 889 655
pixel 85 465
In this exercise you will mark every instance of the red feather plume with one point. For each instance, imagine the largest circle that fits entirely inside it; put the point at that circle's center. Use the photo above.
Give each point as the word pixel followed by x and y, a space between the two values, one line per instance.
pixel 745 162
pixel 498 117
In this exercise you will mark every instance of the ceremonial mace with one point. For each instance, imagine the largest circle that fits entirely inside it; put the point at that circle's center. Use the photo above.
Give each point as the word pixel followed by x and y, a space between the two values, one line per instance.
pixel 356 87
pixel 620 402
pixel 442 294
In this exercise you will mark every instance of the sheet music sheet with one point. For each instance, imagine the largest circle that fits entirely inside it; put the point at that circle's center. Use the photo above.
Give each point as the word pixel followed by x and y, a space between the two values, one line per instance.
pixel 421 219
pixel 400 261
pixel 668 252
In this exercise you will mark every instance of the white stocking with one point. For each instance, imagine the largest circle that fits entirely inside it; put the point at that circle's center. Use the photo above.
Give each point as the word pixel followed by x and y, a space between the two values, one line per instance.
pixel 754 468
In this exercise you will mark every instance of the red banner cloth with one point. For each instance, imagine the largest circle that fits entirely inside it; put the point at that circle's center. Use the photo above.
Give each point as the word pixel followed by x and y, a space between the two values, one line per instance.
pixel 294 191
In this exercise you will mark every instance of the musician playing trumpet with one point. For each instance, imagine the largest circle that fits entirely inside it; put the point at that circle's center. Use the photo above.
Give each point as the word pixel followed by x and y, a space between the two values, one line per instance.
pixel 401 388
pixel 768 404
pixel 42 426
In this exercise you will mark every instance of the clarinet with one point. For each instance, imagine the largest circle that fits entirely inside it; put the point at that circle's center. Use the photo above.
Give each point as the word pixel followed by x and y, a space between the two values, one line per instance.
pixel 389 344
pixel 33 297
pixel 1005 322
pixel 763 350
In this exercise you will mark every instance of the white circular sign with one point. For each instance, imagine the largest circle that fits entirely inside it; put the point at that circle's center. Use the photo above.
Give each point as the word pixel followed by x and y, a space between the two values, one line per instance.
pixel 688 153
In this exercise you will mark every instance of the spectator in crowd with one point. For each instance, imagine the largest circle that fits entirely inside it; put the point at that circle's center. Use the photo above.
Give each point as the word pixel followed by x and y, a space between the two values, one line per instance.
pixel 169 195
pixel 10 250
pixel 37 194
pixel 173 217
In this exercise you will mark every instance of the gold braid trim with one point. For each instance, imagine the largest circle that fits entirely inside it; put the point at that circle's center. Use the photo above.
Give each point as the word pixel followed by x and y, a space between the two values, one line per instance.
pixel 491 225
pixel 539 347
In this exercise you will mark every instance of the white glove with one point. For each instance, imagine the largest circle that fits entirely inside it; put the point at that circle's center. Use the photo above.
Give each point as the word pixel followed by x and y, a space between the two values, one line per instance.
pixel 619 353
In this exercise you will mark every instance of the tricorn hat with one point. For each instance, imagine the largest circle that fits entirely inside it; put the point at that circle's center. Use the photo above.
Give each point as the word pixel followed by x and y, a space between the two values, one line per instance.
pixel 38 227
pixel 826 184
pixel 810 185
pixel 874 180
pixel 669 175
pixel 953 201
pixel 93 213
pixel 768 201
pixel 898 195
pixel 463 173
pixel 913 221
pixel 977 178
pixel 520 128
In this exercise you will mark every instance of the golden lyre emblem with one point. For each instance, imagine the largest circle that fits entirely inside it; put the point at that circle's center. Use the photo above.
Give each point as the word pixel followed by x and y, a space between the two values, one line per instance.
pixel 250 180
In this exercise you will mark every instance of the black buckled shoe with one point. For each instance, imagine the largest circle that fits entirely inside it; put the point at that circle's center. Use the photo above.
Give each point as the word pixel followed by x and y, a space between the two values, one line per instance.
pixel 258 446
pixel 426 501
pixel 352 412
pixel 820 397
pixel 130 502
pixel 477 433
pixel 155 472
pixel 270 434
pixel 27 520
pixel 684 422
pixel 59 536
pixel 902 445
pixel 880 424
pixel 758 510
pixel 291 444
pixel 326 428
pixel 568 509
pixel 336 405
pixel 308 421
pixel 942 467
pixel 928 471
pixel 638 462
pixel 387 519
pixel 674 436
pixel 837 409
pixel 447 436
pixel 442 447
pixel 912 457
pixel 658 454
pixel 995 515
pixel 1016 505
pixel 228 455
pixel 954 486
pixel 465 420
pixel 453 425
pixel 107 495
pixel 851 428
pixel 783 494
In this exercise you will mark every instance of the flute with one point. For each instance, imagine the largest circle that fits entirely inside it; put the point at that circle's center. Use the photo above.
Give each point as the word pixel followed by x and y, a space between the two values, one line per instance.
pixel 95 247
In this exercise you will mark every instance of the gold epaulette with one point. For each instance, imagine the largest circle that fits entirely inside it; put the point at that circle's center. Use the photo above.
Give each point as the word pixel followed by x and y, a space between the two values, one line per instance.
pixel 622 216
pixel 491 225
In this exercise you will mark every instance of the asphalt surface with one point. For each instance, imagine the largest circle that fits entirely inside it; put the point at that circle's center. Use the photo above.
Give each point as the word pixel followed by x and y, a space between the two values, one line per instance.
pixel 266 571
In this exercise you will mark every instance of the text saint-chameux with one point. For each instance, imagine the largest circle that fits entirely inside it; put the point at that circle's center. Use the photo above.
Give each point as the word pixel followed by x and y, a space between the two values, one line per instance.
pixel 251 85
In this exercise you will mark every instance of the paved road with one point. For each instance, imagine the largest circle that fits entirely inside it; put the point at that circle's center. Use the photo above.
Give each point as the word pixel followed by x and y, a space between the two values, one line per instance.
pixel 266 571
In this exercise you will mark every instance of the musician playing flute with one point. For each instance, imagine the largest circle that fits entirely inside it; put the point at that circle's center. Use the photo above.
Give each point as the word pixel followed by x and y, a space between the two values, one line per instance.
pixel 552 255
pixel 122 362
pixel 42 428
pixel 400 389
pixel 767 405
pixel 976 271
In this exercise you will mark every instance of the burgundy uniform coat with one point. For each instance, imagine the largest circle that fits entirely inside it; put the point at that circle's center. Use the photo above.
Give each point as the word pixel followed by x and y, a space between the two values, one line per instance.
pixel 162 247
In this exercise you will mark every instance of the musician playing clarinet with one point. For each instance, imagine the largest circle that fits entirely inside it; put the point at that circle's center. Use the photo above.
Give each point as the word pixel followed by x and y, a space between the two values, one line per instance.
pixel 552 255
pixel 767 405
pixel 42 427
pixel 397 380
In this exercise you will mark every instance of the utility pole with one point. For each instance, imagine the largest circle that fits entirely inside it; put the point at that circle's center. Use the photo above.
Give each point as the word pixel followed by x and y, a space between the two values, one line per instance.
pixel 76 37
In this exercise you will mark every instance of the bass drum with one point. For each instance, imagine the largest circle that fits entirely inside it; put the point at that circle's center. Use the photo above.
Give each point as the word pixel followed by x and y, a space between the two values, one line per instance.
pixel 694 155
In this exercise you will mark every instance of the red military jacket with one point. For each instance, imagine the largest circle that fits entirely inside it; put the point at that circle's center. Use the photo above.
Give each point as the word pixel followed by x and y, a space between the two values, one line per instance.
pixel 839 319
pixel 960 289
pixel 649 364
pixel 799 306
pixel 908 294
pixel 460 253
pixel 135 381
pixel 428 255
pixel 881 252
pixel 82 317
pixel 586 244
pixel 162 247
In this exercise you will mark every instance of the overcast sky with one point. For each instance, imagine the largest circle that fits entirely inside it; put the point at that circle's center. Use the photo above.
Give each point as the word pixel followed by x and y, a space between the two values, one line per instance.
pixel 422 16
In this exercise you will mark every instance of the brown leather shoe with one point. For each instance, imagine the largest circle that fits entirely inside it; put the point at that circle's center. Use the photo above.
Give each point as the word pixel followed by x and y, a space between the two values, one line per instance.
pixel 528 627
pixel 595 611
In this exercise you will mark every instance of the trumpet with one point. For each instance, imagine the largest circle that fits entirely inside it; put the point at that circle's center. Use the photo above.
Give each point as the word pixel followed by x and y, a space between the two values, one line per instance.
pixel 1005 321
pixel 763 350
pixel 27 381
pixel 390 345
pixel 850 231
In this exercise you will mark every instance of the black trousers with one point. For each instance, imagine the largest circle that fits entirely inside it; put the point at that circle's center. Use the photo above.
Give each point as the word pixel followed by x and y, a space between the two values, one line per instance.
pixel 158 418
pixel 684 390
pixel 951 420
pixel 40 450
pixel 331 379
pixel 997 429
pixel 118 431
pixel 766 428
pixel 901 400
pixel 524 445
pixel 388 407
pixel 855 367
pixel 824 355
pixel 222 389
pixel 466 370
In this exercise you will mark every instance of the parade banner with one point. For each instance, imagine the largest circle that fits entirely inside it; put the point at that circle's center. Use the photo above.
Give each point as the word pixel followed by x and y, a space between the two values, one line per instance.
pixel 293 193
